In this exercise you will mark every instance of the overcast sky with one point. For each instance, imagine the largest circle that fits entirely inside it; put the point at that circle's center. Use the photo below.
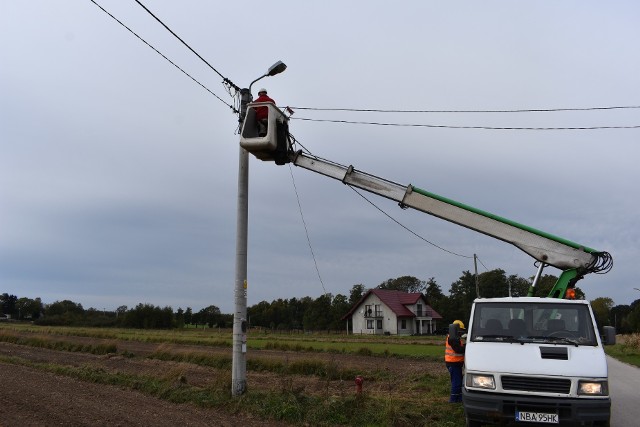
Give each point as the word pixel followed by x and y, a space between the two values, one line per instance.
pixel 118 173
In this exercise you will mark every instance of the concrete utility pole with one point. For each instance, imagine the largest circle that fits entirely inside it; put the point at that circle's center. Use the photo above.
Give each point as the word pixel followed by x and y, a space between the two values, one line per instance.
pixel 239 359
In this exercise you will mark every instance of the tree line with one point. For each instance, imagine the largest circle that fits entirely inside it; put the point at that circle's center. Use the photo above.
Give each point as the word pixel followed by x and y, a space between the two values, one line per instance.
pixel 326 312
pixel 323 313
pixel 142 316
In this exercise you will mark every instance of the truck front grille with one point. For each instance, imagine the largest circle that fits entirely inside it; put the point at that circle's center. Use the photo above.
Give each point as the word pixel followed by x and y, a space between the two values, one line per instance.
pixel 548 385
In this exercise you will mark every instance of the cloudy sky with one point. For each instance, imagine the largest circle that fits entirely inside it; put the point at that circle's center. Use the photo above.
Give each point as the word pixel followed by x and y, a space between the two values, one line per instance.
pixel 118 173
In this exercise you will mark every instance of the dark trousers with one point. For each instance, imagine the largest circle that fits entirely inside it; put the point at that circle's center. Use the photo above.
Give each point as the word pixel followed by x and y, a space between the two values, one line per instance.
pixel 262 127
pixel 455 371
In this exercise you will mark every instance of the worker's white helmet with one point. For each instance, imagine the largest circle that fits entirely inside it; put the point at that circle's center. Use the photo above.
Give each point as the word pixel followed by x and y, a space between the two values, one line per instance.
pixel 262 90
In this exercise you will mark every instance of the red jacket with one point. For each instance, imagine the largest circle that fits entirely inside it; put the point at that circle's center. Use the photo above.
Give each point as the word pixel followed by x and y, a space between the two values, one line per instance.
pixel 263 112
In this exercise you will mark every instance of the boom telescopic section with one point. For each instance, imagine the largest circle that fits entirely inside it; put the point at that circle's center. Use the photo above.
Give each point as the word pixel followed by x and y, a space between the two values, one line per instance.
pixel 575 260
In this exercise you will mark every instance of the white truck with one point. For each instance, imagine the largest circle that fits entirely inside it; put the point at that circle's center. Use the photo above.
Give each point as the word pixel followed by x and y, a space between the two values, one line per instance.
pixel 528 360
pixel 535 360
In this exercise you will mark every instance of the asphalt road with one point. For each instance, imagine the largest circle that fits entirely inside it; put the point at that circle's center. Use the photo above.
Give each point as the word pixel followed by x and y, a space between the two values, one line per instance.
pixel 624 382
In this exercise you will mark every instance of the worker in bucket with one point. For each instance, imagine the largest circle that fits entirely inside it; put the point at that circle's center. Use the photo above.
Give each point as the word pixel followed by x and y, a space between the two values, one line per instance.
pixel 454 358
pixel 262 113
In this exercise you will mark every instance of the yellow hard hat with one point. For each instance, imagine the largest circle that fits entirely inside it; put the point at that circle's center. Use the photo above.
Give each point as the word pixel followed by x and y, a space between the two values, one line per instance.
pixel 459 323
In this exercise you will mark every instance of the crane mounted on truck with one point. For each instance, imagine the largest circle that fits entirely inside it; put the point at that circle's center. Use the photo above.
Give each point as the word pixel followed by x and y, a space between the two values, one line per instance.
pixel 573 259
pixel 554 367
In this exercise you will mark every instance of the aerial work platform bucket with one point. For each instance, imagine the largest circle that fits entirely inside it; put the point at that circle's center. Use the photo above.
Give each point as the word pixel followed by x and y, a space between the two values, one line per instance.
pixel 267 140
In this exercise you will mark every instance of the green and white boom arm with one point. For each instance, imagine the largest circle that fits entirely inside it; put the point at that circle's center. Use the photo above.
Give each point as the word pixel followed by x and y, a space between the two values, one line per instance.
pixel 573 259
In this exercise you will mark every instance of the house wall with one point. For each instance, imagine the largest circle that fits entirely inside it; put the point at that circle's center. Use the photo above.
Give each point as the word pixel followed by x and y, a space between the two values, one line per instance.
pixel 388 318
pixel 390 323
pixel 426 323
pixel 408 326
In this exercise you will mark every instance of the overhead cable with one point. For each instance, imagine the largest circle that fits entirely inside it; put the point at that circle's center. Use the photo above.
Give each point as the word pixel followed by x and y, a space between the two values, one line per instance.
pixel 528 110
pixel 225 80
pixel 480 261
pixel 380 209
pixel 463 127
pixel 306 230
pixel 404 226
pixel 170 61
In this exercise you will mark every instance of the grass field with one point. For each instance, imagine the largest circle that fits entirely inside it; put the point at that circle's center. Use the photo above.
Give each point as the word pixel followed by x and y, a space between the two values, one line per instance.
pixel 300 379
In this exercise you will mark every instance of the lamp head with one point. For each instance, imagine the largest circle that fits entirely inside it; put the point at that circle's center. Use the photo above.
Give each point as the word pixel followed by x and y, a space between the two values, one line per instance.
pixel 276 68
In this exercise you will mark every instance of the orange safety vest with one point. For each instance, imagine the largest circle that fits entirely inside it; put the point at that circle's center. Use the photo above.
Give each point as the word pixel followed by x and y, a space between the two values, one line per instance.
pixel 450 356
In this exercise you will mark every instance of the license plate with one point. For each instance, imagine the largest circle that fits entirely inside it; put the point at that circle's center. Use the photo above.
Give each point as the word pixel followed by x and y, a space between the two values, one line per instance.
pixel 537 417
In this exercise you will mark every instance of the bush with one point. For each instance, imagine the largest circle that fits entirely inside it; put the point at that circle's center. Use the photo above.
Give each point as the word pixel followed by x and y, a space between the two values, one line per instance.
pixel 631 342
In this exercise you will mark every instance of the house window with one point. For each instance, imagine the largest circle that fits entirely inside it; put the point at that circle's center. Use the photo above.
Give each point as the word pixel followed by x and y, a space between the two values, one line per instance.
pixel 379 324
pixel 367 311
pixel 378 311
pixel 419 310
pixel 403 324
pixel 369 324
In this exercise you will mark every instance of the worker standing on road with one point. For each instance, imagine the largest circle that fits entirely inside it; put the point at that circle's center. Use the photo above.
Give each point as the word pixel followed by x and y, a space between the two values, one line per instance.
pixel 262 113
pixel 454 360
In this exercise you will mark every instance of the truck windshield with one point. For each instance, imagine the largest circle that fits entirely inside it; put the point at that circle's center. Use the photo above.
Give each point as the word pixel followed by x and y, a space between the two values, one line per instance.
pixel 533 322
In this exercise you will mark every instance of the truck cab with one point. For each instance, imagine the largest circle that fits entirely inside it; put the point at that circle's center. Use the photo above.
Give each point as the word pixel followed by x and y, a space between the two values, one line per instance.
pixel 535 360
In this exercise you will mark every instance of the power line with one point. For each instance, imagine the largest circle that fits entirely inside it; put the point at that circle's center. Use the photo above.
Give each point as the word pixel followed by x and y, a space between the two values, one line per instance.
pixel 225 80
pixel 529 110
pixel 170 61
pixel 382 211
pixel 306 230
pixel 463 127
pixel 480 261
pixel 404 226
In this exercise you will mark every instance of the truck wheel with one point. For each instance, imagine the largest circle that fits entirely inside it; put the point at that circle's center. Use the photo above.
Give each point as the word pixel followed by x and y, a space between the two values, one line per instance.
pixel 472 423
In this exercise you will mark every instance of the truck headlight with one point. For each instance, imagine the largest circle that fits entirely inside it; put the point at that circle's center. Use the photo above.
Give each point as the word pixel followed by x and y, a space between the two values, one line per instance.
pixel 593 388
pixel 480 381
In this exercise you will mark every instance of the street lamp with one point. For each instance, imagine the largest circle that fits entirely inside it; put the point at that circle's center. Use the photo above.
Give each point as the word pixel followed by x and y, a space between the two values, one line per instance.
pixel 239 360
pixel 276 68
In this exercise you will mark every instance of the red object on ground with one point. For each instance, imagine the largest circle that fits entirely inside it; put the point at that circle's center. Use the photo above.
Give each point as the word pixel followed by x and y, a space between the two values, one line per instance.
pixel 359 382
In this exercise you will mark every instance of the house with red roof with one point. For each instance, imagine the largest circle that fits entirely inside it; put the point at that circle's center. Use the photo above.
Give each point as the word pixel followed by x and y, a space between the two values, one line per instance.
pixel 390 312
